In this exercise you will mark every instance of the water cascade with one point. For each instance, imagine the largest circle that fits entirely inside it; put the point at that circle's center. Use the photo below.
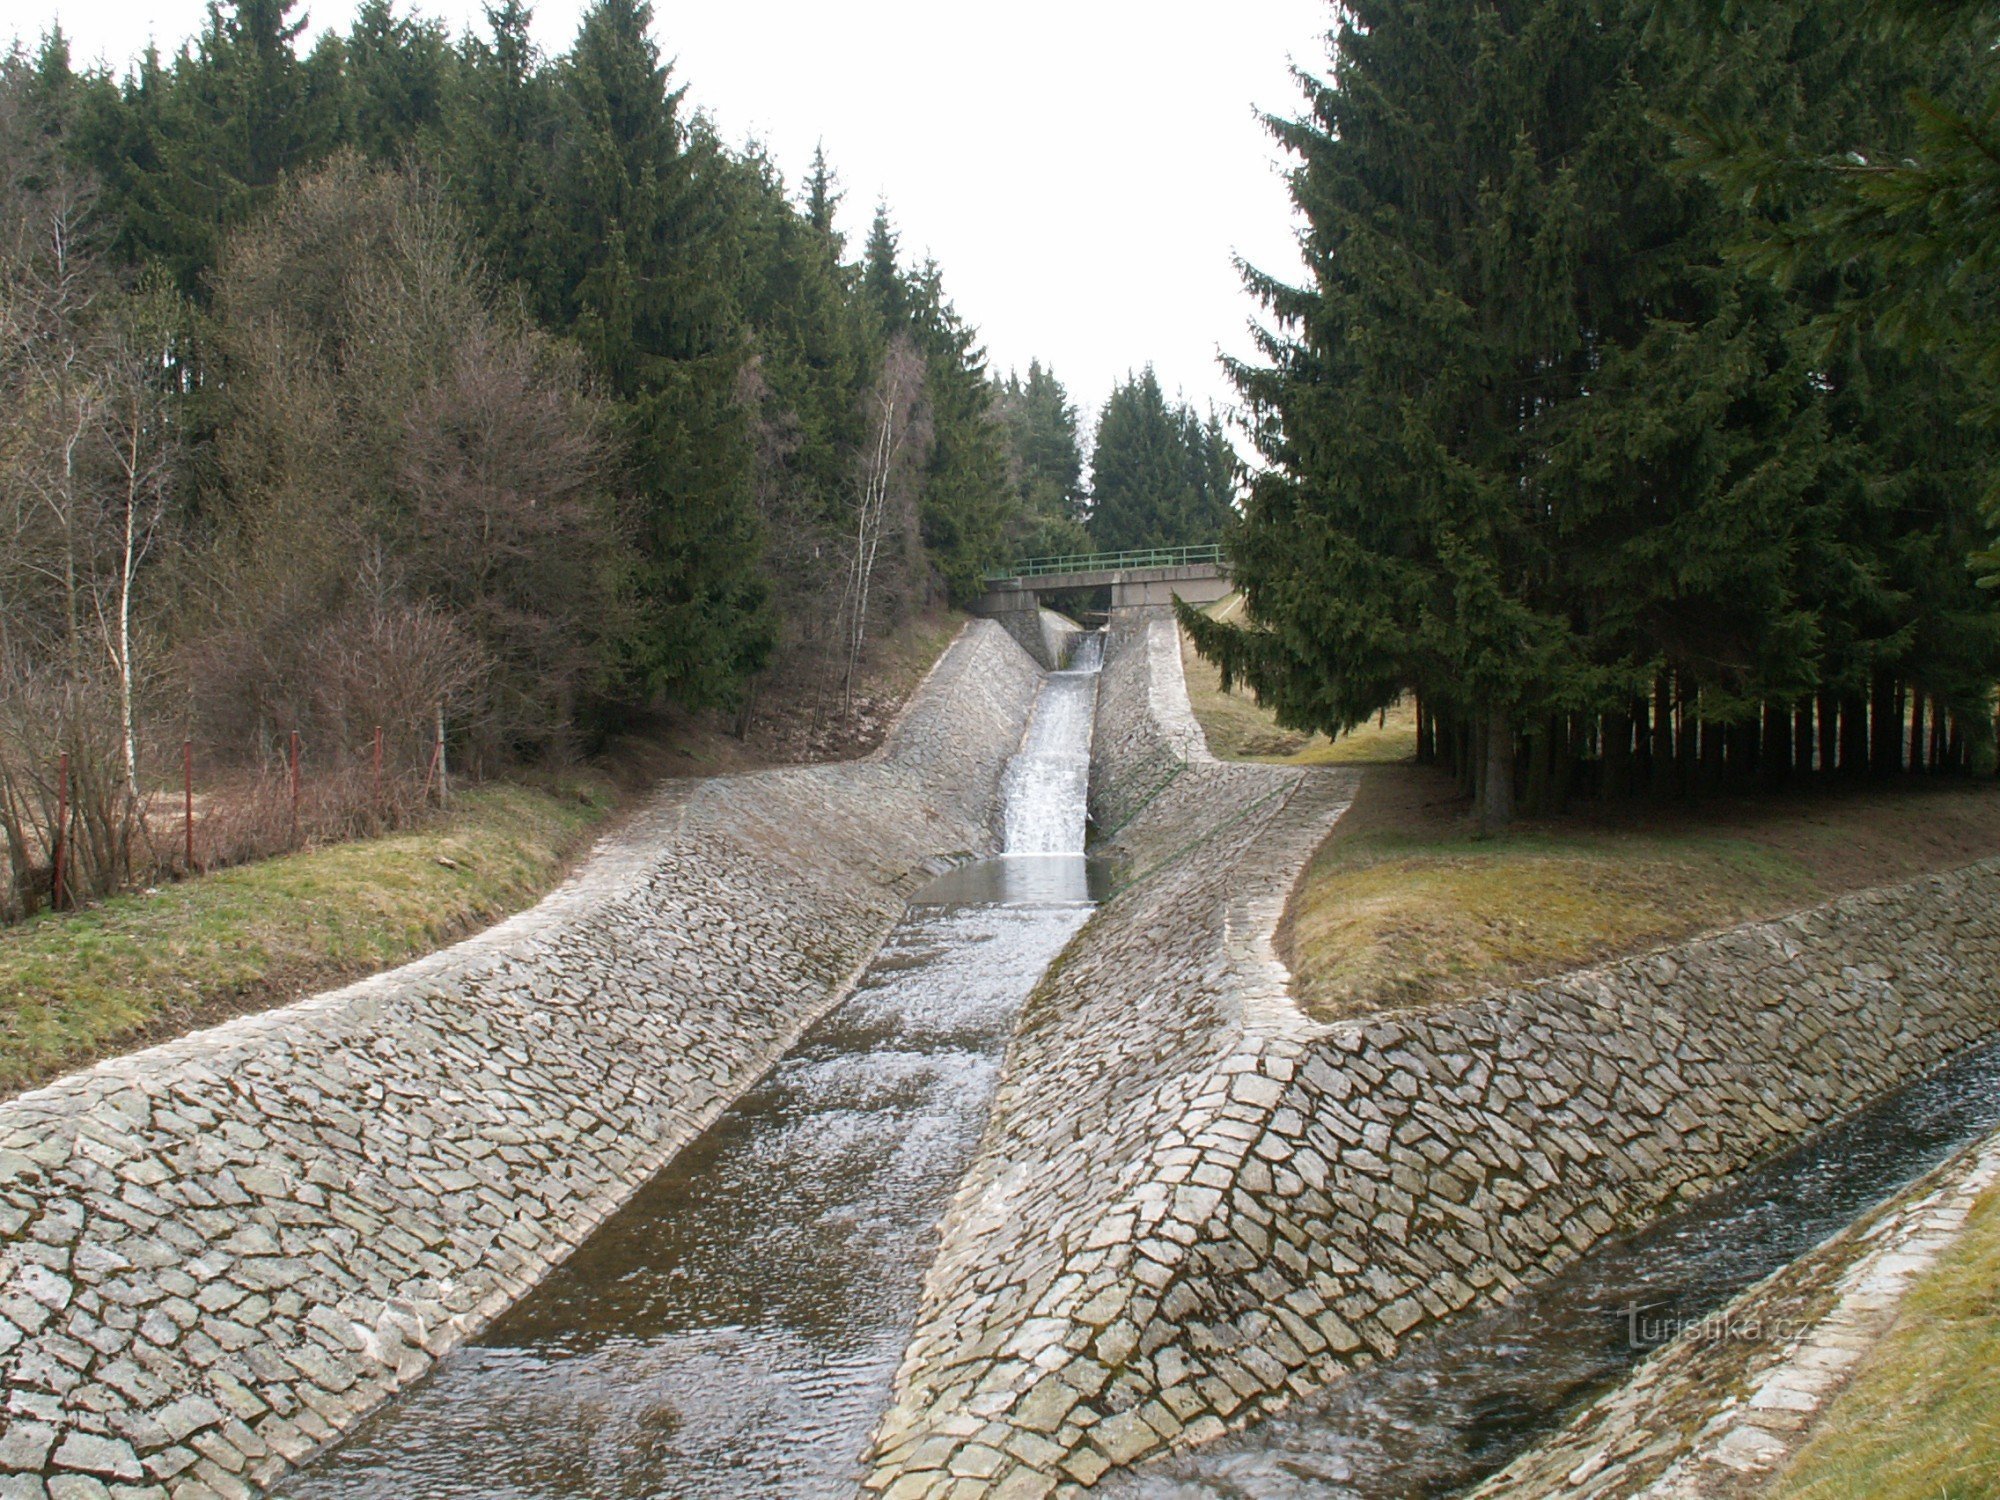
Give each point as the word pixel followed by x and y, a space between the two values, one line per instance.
pixel 734 1331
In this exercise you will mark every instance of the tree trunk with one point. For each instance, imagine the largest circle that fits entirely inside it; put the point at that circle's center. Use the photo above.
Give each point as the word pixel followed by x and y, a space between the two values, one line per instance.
pixel 1854 736
pixel 1885 726
pixel 1776 761
pixel 129 563
pixel 1496 792
pixel 1663 737
pixel 1711 757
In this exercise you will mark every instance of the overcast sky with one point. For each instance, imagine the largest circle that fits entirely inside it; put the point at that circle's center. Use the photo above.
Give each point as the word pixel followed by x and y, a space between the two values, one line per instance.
pixel 1083 170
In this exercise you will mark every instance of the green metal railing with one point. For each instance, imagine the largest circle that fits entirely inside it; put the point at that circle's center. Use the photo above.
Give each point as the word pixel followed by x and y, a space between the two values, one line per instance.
pixel 1109 562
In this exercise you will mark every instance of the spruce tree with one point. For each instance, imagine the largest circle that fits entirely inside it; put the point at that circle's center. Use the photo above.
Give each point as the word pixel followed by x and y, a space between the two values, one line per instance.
pixel 823 198
pixel 883 287
pixel 641 272
pixel 238 110
pixel 1142 476
pixel 1529 444
pixel 966 507
pixel 1046 459
pixel 396 80
pixel 499 127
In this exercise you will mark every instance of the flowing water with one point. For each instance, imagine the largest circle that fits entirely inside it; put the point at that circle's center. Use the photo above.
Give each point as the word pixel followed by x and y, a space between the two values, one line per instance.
pixel 735 1329
pixel 1460 1406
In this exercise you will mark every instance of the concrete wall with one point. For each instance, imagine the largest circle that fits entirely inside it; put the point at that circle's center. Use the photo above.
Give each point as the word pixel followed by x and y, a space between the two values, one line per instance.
pixel 216 1254
pixel 1193 1204
pixel 1042 633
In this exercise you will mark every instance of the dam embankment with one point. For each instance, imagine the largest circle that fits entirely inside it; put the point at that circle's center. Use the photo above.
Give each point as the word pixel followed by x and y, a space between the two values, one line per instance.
pixel 217 1254
pixel 1193 1204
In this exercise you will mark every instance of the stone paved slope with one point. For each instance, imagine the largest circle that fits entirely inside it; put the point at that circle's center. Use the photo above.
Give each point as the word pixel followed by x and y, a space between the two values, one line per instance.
pixel 1193 1204
pixel 1116 1082
pixel 215 1255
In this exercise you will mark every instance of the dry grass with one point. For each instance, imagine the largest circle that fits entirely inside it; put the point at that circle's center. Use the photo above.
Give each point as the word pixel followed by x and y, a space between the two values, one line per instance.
pixel 1402 923
pixel 1238 729
pixel 141 968
pixel 1403 906
pixel 1921 1419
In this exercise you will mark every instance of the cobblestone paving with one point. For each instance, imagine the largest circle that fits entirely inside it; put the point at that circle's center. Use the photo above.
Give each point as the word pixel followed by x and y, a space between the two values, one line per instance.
pixel 216 1254
pixel 1193 1204
pixel 1714 1419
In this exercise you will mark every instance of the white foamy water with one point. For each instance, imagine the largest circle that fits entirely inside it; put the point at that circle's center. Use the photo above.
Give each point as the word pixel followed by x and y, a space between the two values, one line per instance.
pixel 1045 796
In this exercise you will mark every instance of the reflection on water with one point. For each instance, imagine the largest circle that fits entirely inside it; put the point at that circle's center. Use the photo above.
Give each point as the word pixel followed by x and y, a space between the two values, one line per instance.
pixel 1462 1405
pixel 1020 880
pixel 734 1331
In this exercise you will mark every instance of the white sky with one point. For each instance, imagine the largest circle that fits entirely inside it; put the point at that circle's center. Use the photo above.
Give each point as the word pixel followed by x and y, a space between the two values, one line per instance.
pixel 1082 171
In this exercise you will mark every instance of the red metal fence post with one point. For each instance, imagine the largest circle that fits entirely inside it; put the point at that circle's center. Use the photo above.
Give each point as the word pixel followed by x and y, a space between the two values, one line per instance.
pixel 187 790
pixel 62 832
pixel 295 789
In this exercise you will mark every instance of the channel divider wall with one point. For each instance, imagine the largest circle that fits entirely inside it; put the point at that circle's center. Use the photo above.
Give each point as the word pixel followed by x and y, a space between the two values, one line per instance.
pixel 1193 1204
pixel 216 1255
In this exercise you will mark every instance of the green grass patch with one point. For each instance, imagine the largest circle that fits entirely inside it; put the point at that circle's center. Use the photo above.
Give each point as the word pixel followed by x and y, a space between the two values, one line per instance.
pixel 1921 1418
pixel 1385 922
pixel 143 967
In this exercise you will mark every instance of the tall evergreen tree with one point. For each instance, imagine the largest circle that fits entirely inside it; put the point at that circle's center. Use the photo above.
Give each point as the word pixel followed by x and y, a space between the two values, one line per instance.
pixel 966 507
pixel 1529 443
pixel 1147 469
pixel 396 79
pixel 1047 462
pixel 185 153
pixel 499 126
pixel 641 273
pixel 883 286
pixel 823 198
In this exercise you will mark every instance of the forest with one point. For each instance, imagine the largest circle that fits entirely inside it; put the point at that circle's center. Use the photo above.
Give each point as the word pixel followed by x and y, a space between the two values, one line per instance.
pixel 1635 413
pixel 437 406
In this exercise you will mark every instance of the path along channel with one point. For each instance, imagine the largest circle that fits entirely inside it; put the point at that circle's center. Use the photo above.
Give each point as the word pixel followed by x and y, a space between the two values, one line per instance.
pixel 735 1329
pixel 1461 1405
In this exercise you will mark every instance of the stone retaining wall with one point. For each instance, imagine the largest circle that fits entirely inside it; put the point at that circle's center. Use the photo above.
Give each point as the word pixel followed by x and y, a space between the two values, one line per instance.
pixel 1042 633
pixel 1718 1418
pixel 217 1254
pixel 1193 1204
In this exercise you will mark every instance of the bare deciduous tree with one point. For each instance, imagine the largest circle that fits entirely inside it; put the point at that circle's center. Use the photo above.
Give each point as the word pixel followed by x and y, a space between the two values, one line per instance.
pixel 883 489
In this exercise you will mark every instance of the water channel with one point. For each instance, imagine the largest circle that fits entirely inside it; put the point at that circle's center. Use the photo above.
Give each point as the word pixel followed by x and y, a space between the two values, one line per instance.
pixel 1460 1406
pixel 734 1330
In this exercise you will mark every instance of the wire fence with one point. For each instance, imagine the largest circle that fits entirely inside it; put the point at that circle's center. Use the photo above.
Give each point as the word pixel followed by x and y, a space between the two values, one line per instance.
pixel 84 822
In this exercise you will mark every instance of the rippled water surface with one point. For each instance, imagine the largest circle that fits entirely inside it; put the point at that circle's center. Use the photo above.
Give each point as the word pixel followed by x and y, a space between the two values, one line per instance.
pixel 735 1329
pixel 1459 1407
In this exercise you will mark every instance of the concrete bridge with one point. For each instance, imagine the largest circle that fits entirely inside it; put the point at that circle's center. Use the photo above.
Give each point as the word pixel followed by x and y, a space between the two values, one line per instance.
pixel 1014 598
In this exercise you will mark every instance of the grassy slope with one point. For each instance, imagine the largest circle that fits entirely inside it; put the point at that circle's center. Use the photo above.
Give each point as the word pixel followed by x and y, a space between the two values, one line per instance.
pixel 1921 1419
pixel 1239 730
pixel 1389 921
pixel 1403 907
pixel 143 968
